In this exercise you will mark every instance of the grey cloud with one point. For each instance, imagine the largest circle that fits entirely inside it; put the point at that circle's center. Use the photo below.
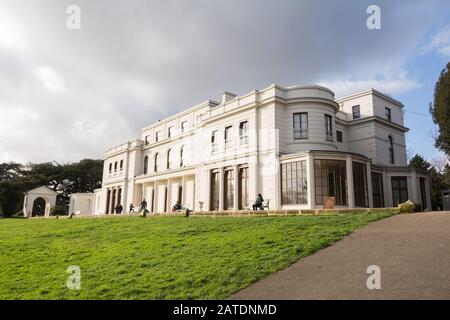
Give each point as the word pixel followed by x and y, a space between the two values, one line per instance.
pixel 134 62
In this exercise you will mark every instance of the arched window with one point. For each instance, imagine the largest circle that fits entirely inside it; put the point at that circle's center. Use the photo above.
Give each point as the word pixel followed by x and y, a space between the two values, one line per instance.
pixel 155 168
pixel 182 156
pixel 391 149
pixel 169 160
pixel 145 164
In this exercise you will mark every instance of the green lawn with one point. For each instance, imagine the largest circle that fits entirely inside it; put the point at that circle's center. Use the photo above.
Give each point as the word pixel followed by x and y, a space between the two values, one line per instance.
pixel 157 258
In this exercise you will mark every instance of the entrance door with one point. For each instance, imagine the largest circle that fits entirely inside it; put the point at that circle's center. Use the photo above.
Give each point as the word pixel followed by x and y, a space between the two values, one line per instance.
pixel 38 207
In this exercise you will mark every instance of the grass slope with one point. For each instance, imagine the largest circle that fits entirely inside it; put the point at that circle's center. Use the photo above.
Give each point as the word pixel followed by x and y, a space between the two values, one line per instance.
pixel 157 258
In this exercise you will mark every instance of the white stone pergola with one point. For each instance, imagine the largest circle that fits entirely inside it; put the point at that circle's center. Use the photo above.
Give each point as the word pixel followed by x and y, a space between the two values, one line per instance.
pixel 39 196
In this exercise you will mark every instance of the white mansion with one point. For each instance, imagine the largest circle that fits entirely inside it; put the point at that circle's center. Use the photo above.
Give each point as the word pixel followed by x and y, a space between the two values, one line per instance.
pixel 296 146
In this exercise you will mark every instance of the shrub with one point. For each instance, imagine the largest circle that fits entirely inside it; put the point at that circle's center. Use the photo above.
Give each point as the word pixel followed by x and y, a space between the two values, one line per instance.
pixel 58 211
pixel 407 207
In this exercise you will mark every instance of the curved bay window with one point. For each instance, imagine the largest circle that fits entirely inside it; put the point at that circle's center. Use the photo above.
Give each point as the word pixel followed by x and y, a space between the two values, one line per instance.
pixel 360 184
pixel 294 188
pixel 330 181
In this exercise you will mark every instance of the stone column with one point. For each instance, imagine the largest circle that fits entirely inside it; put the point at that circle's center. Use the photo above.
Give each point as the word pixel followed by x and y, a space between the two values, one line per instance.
pixel 311 192
pixel 350 186
pixel 221 188
pixel 369 184
pixel 168 196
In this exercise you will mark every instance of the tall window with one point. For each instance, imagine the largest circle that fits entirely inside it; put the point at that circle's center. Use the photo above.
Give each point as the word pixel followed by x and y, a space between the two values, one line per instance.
pixel 121 165
pixel 294 188
pixel 229 189
pixel 339 136
pixel 423 194
pixel 228 136
pixel 155 166
pixel 243 132
pixel 391 149
pixel 110 167
pixel 214 141
pixel 329 127
pixel 377 190
pixel 182 156
pixel 330 180
pixel 183 126
pixel 145 164
pixel 157 136
pixel 356 110
pixel 170 132
pixel 214 192
pixel 300 125
pixel 243 188
pixel 387 113
pixel 360 184
pixel 115 166
pixel 169 159
pixel 399 190
pixel 147 140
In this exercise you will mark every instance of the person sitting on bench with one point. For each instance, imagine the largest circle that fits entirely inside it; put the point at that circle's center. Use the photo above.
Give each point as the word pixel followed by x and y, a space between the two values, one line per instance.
pixel 177 206
pixel 258 205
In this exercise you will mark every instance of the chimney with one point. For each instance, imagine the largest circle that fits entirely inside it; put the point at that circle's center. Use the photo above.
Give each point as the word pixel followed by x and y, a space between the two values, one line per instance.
pixel 227 96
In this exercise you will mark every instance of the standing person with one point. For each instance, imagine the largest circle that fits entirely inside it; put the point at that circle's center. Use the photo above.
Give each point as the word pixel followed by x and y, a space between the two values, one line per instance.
pixel 258 203
pixel 143 204
pixel 119 209
pixel 131 208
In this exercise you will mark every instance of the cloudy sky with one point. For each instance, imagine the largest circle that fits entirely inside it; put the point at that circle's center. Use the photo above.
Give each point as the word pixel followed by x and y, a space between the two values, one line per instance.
pixel 70 94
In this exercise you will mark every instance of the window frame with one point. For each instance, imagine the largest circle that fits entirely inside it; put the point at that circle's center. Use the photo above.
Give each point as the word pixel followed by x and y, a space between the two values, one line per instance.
pixel 388 114
pixel 356 115
pixel 302 131
pixel 339 136
pixel 391 150
pixel 228 136
pixel 243 132
pixel 328 127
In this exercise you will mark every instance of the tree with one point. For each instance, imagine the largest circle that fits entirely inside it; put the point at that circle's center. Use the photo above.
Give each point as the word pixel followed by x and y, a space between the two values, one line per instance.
pixel 15 179
pixel 419 162
pixel 440 110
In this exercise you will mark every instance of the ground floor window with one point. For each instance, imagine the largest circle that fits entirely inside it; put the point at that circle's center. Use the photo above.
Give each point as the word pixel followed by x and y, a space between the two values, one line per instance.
pixel 294 188
pixel 377 190
pixel 229 189
pixel 330 180
pixel 399 190
pixel 360 184
pixel 423 194
pixel 243 188
pixel 214 191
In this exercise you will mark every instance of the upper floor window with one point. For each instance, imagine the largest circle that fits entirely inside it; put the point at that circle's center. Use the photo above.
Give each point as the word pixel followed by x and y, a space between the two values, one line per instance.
pixel 121 165
pixel 157 136
pixel 155 165
pixel 145 164
pixel 356 112
pixel 300 125
pixel 339 136
pixel 387 113
pixel 115 166
pixel 214 141
pixel 169 159
pixel 243 132
pixel 182 156
pixel 391 150
pixel 228 136
pixel 110 167
pixel 170 132
pixel 183 126
pixel 147 140
pixel 329 127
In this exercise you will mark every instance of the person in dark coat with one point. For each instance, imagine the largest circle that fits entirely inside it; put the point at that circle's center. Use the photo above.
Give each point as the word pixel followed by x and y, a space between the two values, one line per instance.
pixel 143 205
pixel 258 205
pixel 131 208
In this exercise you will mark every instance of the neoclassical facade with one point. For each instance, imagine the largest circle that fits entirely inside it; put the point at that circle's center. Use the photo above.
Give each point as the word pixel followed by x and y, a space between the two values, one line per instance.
pixel 297 146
